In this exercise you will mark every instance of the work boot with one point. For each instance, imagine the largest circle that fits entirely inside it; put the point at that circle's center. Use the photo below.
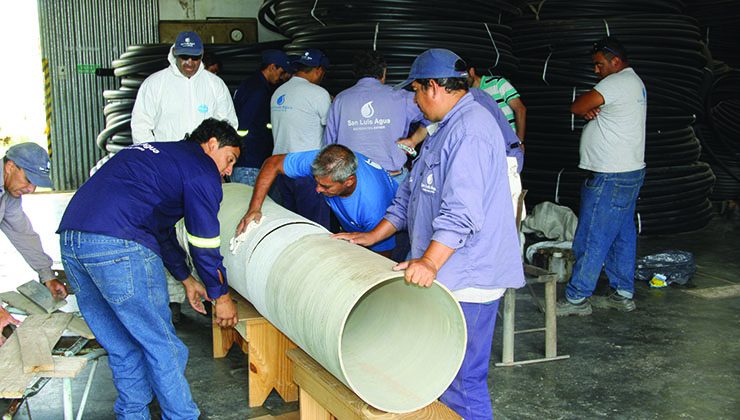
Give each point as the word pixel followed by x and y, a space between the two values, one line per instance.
pixel 176 310
pixel 614 301
pixel 566 308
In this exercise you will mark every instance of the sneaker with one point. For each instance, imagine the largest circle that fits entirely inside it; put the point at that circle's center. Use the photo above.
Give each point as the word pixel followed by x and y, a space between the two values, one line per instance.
pixel 565 308
pixel 614 301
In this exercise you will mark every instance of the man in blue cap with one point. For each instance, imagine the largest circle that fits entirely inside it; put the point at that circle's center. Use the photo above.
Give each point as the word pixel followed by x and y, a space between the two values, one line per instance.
pixel 173 102
pixel 252 103
pixel 457 209
pixel 298 113
pixel 25 167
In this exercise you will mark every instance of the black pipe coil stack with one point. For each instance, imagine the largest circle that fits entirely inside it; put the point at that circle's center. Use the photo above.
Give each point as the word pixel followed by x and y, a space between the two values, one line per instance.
pixel 720 135
pixel 720 26
pixel 140 61
pixel 401 42
pixel 289 17
pixel 400 29
pixel 555 66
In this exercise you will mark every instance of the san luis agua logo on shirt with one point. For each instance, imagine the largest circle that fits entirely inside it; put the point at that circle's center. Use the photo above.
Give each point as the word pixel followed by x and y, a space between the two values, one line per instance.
pixel 368 122
pixel 428 184
pixel 280 100
pixel 203 108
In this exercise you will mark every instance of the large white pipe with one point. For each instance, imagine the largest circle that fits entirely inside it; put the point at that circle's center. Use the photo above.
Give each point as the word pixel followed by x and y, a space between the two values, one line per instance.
pixel 397 346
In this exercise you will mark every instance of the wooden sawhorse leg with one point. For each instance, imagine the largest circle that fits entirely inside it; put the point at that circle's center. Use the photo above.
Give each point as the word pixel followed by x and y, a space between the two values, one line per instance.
pixel 265 345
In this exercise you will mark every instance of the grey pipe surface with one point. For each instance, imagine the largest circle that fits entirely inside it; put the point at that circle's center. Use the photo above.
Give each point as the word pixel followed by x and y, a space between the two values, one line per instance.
pixel 397 346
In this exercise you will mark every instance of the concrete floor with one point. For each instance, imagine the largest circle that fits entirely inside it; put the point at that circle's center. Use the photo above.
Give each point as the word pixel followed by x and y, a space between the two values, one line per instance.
pixel 677 356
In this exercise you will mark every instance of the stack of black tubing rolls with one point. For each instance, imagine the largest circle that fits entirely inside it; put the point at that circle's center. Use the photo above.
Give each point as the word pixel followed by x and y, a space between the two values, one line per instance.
pixel 555 66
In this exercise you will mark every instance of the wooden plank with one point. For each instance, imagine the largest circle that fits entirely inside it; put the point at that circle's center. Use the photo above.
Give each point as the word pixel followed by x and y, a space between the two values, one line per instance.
pixel 344 404
pixel 13 381
pixel 16 300
pixel 41 296
pixel 293 415
pixel 49 326
pixel 34 347
pixel 65 367
pixel 312 410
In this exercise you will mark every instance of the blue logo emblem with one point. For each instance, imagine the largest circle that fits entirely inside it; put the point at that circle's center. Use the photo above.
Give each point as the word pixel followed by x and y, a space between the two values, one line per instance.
pixel 281 100
pixel 203 108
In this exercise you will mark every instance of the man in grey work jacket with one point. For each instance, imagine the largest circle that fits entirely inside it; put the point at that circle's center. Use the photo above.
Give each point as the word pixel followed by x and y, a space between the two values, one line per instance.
pixel 25 167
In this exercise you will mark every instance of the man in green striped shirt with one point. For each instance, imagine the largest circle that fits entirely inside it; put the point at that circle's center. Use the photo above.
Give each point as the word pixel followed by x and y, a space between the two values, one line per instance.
pixel 507 97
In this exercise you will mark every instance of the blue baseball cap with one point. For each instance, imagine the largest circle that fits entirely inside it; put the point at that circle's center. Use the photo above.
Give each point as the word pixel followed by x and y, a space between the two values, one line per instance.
pixel 313 57
pixel 34 161
pixel 188 43
pixel 277 58
pixel 436 63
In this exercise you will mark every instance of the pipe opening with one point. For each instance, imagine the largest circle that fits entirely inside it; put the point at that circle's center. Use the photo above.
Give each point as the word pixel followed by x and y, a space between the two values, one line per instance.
pixel 402 345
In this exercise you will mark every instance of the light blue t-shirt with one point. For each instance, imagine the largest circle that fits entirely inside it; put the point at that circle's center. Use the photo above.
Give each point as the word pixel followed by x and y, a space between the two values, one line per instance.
pixel 365 208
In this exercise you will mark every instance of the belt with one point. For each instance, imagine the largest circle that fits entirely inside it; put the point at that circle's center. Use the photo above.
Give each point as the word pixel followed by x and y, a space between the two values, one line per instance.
pixel 515 145
pixel 394 173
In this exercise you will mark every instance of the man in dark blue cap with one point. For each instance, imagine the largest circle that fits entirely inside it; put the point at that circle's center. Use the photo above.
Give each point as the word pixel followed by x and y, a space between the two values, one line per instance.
pixel 456 205
pixel 252 104
pixel 298 112
pixel 25 167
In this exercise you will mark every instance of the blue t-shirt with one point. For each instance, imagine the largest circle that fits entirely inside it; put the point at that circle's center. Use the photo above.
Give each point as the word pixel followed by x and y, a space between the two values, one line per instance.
pixel 365 208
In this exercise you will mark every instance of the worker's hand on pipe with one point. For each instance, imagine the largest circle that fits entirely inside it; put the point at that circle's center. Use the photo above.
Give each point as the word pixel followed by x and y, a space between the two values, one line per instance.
pixel 359 238
pixel 420 271
pixel 195 293
pixel 249 216
pixel 6 319
pixel 57 289
pixel 224 309
pixel 591 114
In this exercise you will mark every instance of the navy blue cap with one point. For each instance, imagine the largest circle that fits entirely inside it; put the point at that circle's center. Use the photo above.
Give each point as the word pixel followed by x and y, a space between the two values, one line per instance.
pixel 277 58
pixel 293 60
pixel 188 43
pixel 34 161
pixel 313 57
pixel 436 63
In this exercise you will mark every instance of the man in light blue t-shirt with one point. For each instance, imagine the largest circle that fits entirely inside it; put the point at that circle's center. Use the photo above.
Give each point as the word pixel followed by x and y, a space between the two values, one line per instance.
pixel 357 189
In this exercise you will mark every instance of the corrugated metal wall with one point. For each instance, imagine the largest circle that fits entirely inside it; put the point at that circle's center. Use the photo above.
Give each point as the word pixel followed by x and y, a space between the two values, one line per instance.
pixel 77 36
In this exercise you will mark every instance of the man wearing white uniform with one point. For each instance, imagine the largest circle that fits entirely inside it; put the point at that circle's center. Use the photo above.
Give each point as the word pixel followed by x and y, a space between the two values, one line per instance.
pixel 172 103
pixel 298 112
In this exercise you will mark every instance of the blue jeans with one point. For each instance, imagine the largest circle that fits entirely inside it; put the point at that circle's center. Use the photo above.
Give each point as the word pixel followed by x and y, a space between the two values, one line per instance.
pixel 468 394
pixel 122 293
pixel 606 235
pixel 244 175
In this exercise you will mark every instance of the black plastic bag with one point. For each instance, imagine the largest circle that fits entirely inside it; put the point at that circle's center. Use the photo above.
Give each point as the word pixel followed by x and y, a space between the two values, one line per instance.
pixel 677 266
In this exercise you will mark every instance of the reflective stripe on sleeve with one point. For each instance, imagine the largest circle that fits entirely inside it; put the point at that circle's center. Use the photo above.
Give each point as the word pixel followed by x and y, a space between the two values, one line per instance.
pixel 214 242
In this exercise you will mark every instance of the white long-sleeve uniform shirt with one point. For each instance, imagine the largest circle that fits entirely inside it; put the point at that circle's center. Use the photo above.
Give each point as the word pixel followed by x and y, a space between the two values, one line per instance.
pixel 169 105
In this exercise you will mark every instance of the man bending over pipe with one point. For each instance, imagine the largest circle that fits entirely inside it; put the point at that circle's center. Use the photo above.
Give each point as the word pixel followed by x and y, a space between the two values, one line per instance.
pixel 357 189
pixel 457 208
pixel 117 236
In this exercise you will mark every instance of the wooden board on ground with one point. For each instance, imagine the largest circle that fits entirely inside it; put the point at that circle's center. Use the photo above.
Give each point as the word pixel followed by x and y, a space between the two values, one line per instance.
pixel 40 295
pixel 322 393
pixel 17 300
pixel 13 381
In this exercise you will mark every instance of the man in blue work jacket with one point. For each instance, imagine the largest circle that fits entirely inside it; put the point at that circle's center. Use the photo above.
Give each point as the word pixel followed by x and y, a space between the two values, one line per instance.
pixel 252 104
pixel 456 206
pixel 117 236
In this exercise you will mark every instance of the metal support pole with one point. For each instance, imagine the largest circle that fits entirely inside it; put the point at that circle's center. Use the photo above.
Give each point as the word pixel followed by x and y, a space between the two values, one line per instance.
pixel 67 393
pixel 87 389
pixel 551 332
pixel 507 354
